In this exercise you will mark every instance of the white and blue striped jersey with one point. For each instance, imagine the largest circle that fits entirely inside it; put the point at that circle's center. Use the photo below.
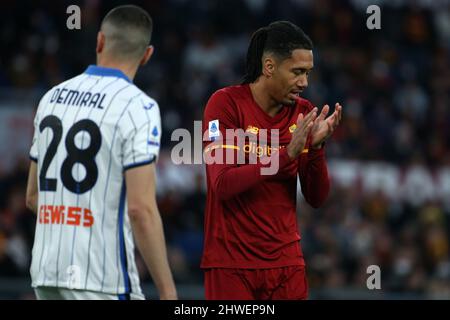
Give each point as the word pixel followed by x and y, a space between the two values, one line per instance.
pixel 88 131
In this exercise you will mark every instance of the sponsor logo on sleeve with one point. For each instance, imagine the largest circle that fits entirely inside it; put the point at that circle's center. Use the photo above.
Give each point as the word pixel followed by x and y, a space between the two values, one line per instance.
pixel 292 128
pixel 252 129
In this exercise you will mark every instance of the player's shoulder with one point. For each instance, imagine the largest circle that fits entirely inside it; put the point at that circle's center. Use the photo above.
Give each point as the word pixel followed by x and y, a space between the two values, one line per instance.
pixel 67 84
pixel 45 99
pixel 234 92
pixel 226 100
pixel 141 110
pixel 140 102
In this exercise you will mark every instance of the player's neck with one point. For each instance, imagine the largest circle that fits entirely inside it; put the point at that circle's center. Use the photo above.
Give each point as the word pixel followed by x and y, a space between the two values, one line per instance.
pixel 263 99
pixel 128 70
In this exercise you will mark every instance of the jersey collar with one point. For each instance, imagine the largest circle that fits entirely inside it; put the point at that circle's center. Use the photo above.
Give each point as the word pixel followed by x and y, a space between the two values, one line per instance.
pixel 106 72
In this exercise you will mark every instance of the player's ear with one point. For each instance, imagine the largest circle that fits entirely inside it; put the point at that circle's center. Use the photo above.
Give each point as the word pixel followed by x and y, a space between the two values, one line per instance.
pixel 268 66
pixel 148 53
pixel 100 42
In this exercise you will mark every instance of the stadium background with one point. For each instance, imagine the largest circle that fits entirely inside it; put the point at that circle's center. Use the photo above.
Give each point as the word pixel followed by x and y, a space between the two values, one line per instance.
pixel 389 159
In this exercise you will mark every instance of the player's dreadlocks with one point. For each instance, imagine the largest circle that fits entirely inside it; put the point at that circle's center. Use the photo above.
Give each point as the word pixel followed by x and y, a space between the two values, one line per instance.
pixel 279 38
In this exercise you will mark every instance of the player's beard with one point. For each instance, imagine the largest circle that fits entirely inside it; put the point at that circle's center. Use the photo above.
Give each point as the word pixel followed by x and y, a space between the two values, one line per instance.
pixel 290 102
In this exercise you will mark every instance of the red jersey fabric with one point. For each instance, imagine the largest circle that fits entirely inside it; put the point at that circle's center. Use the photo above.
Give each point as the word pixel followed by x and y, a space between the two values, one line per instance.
pixel 285 283
pixel 250 219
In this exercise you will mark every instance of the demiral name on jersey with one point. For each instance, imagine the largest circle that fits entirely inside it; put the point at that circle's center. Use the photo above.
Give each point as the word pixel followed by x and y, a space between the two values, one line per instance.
pixel 78 98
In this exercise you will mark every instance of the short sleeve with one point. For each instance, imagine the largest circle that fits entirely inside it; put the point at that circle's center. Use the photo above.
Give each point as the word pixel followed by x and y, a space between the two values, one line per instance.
pixel 143 137
pixel 34 151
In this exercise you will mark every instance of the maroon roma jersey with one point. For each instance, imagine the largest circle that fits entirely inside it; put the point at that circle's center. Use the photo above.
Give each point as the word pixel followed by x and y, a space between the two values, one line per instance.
pixel 250 218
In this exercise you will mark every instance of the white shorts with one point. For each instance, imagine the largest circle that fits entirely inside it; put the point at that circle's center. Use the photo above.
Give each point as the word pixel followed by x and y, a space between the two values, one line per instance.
pixel 53 293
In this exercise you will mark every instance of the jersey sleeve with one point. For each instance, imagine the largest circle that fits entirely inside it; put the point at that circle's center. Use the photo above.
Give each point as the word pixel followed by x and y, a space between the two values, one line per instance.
pixel 34 150
pixel 219 115
pixel 34 145
pixel 142 135
pixel 313 173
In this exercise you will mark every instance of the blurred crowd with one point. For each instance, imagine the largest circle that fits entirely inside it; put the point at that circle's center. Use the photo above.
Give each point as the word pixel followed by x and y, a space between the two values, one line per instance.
pixel 393 84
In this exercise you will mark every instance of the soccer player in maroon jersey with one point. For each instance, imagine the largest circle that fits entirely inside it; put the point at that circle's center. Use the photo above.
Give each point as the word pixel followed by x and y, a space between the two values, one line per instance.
pixel 252 241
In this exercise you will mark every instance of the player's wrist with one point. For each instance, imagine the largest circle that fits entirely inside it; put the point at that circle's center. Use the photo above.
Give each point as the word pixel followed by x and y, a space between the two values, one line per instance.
pixel 291 152
pixel 318 146
pixel 290 155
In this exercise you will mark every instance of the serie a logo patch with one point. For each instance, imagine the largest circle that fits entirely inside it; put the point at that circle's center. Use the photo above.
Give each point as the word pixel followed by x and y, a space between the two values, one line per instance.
pixel 213 129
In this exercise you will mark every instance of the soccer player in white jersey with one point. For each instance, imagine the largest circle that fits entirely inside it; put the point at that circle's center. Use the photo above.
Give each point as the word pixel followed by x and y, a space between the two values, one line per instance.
pixel 92 178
